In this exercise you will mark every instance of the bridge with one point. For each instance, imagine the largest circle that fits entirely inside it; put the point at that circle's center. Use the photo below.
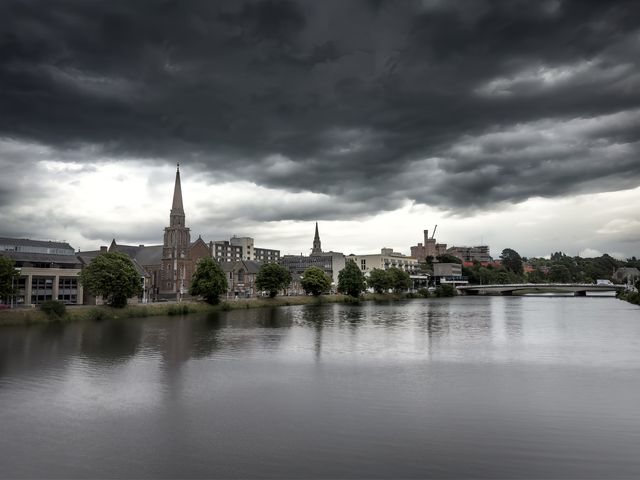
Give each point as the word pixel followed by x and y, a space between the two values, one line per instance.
pixel 578 289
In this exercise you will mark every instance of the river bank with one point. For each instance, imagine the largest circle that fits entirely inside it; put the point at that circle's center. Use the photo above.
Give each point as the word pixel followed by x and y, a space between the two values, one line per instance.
pixel 631 297
pixel 30 316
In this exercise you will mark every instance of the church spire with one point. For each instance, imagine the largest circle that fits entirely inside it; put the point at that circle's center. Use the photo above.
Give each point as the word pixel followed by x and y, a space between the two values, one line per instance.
pixel 176 206
pixel 317 248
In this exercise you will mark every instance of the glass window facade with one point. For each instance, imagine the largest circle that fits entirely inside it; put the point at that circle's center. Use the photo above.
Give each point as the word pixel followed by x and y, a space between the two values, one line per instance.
pixel 68 290
pixel 41 289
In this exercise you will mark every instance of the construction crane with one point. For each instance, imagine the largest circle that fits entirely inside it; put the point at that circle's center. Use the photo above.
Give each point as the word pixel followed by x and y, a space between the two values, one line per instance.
pixel 433 234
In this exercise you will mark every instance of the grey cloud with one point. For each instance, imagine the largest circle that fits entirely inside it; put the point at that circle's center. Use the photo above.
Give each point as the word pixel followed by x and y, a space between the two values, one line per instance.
pixel 352 97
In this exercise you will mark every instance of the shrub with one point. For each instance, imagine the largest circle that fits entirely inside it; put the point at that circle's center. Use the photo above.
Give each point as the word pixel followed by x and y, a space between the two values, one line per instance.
pixel 97 314
pixel 53 308
pixel 445 291
pixel 423 292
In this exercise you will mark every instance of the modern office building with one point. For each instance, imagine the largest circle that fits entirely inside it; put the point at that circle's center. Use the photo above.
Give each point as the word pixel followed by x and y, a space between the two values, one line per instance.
pixel 242 248
pixel 48 271
pixel 448 273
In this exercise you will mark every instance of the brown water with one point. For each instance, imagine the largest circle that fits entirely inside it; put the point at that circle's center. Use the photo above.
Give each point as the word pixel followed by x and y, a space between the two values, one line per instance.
pixel 466 387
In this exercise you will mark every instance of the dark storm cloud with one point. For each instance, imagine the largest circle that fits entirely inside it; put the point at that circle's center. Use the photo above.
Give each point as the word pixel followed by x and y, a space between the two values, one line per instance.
pixel 448 103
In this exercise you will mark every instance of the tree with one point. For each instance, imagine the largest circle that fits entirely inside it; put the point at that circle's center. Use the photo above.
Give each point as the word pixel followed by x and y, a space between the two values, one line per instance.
pixel 559 274
pixel 448 258
pixel 351 280
pixel 379 280
pixel 208 281
pixel 536 276
pixel 113 276
pixel 315 281
pixel 273 277
pixel 400 280
pixel 512 260
pixel 8 275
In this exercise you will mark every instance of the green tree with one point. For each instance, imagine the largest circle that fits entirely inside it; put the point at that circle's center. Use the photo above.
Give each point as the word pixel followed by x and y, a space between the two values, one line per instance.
pixel 400 280
pixel 379 280
pixel 536 276
pixel 351 280
pixel 8 277
pixel 448 258
pixel 559 274
pixel 315 281
pixel 208 281
pixel 511 260
pixel 113 276
pixel 273 277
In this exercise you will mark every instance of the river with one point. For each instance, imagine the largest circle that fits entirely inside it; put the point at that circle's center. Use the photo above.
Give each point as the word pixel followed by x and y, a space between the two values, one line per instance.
pixel 485 387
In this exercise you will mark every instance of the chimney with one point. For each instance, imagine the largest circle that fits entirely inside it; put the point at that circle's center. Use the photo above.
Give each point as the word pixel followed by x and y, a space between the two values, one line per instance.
pixel 426 236
pixel 103 249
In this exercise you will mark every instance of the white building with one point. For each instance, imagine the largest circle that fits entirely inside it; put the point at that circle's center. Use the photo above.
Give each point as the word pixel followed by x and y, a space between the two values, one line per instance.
pixel 385 260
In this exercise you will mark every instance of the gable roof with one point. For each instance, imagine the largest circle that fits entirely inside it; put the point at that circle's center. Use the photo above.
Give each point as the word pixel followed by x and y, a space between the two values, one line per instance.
pixel 151 255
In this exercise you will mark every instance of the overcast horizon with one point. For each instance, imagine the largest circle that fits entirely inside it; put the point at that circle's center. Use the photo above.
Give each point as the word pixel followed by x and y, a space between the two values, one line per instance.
pixel 514 124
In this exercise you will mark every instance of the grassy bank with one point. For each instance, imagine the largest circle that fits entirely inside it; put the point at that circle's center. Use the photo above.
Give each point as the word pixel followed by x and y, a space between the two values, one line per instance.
pixel 29 316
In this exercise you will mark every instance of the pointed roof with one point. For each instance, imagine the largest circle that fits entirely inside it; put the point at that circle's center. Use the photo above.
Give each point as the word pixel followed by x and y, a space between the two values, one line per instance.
pixel 317 237
pixel 176 206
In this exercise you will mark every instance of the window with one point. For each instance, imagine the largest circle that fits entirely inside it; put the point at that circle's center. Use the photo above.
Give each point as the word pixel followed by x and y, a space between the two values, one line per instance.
pixel 68 290
pixel 363 264
pixel 41 289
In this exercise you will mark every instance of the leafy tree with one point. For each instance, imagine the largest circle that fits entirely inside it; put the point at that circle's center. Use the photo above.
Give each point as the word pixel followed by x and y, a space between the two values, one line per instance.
pixel 400 280
pixel 351 280
pixel 113 276
pixel 536 276
pixel 208 281
pixel 272 277
pixel 560 274
pixel 379 280
pixel 512 260
pixel 8 275
pixel 315 281
pixel 448 258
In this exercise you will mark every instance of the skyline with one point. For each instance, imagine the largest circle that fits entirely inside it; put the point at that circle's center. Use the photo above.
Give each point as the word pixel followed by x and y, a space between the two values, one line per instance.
pixel 511 124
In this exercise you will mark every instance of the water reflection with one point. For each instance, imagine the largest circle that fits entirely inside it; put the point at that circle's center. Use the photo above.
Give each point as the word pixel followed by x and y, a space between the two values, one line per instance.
pixel 116 340
pixel 464 387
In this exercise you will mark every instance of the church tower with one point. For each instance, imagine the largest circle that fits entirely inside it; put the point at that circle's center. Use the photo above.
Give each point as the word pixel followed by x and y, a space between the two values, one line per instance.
pixel 317 248
pixel 177 239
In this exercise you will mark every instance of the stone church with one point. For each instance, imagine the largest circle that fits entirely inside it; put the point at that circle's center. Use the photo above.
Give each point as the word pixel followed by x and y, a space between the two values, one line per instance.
pixel 167 269
pixel 179 255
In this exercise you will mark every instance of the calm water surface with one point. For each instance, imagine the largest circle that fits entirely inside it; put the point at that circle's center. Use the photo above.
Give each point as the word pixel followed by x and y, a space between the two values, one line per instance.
pixel 464 387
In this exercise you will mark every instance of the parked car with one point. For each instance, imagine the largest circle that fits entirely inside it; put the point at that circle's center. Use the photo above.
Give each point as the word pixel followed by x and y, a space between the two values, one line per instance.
pixel 600 281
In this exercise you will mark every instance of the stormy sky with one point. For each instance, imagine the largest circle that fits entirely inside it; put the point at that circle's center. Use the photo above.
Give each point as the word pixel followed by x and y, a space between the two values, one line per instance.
pixel 509 123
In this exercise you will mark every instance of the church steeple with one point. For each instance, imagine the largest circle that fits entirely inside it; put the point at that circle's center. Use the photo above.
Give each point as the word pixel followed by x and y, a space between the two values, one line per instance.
pixel 176 217
pixel 317 248
pixel 175 251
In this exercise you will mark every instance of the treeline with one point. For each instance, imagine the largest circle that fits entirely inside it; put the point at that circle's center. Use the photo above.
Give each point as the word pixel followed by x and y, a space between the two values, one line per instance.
pixel 559 268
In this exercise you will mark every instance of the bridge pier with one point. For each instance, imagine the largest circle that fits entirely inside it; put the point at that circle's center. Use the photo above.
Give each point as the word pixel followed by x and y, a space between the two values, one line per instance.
pixel 581 293
pixel 507 293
